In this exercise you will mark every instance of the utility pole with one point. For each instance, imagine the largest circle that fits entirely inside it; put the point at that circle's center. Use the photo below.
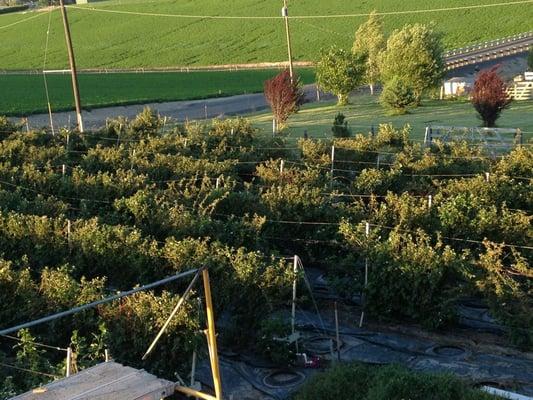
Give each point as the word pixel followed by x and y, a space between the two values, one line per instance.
pixel 72 63
pixel 285 14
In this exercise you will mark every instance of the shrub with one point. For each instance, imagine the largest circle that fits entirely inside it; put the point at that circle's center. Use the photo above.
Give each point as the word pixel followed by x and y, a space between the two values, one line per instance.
pixel 364 382
pixel 397 96
pixel 284 96
pixel 489 96
pixel 340 126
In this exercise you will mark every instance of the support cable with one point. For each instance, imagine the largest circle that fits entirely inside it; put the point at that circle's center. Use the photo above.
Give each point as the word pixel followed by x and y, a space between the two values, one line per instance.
pixel 44 71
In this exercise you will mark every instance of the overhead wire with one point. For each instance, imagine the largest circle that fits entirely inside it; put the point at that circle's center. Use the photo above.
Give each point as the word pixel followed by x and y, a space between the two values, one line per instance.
pixel 296 17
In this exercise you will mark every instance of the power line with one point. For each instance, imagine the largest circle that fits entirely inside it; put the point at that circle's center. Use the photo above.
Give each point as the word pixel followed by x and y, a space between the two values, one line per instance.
pixel 255 17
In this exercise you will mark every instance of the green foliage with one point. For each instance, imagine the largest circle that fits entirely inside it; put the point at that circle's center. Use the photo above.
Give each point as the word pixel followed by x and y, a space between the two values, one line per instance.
pixel 506 285
pixel 340 126
pixel 414 56
pixel 397 96
pixel 339 72
pixel 370 41
pixel 273 341
pixel 410 276
pixel 144 204
pixel 364 382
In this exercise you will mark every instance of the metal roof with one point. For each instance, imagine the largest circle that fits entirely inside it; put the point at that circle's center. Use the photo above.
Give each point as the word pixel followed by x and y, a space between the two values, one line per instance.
pixel 105 381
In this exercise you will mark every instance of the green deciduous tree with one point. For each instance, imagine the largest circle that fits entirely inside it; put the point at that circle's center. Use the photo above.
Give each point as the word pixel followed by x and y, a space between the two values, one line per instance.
pixel 414 54
pixel 370 41
pixel 340 72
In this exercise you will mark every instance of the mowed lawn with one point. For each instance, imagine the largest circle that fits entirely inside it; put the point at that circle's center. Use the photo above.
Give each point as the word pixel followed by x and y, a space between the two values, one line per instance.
pixel 365 112
pixel 25 94
pixel 112 34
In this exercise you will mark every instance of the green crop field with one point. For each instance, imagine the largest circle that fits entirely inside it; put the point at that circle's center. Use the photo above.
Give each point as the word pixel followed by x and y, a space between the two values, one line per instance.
pixel 110 34
pixel 365 111
pixel 25 94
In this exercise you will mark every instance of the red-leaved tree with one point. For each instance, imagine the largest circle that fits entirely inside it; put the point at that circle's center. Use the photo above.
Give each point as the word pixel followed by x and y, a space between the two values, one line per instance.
pixel 489 96
pixel 283 95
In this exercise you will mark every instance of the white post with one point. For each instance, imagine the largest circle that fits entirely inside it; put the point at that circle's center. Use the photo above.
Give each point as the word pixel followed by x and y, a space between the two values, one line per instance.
pixel 68 233
pixel 487 176
pixel 273 126
pixel 430 201
pixel 63 169
pixel 367 233
pixel 217 183
pixel 69 361
pixel 106 352
pixel 281 166
pixel 332 164
pixel 293 311
pixel 193 368
pixel 337 333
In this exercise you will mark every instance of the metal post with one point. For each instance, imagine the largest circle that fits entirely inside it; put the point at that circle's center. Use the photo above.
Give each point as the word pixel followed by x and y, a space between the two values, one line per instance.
pixel 107 358
pixel 72 63
pixel 69 361
pixel 212 341
pixel 285 14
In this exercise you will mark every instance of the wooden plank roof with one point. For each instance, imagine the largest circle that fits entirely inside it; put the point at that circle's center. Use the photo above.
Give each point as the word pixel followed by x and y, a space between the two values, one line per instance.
pixel 105 381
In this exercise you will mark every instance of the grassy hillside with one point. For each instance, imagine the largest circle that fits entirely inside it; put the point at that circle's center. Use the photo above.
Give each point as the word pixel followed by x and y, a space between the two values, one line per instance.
pixel 105 39
pixel 365 111
pixel 25 94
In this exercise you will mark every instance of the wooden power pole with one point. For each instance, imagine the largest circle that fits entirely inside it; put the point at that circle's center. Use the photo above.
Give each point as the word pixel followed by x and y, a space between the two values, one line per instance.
pixel 285 14
pixel 72 63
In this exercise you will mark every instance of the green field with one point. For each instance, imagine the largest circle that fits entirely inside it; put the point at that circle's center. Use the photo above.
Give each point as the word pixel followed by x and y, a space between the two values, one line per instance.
pixel 364 111
pixel 25 94
pixel 113 40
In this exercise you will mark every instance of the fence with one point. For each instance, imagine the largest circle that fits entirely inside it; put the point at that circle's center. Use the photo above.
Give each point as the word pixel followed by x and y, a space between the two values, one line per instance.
pixel 495 138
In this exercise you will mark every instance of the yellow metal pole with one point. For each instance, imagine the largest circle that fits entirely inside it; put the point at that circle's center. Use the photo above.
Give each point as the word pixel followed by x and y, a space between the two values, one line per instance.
pixel 211 335
pixel 195 393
